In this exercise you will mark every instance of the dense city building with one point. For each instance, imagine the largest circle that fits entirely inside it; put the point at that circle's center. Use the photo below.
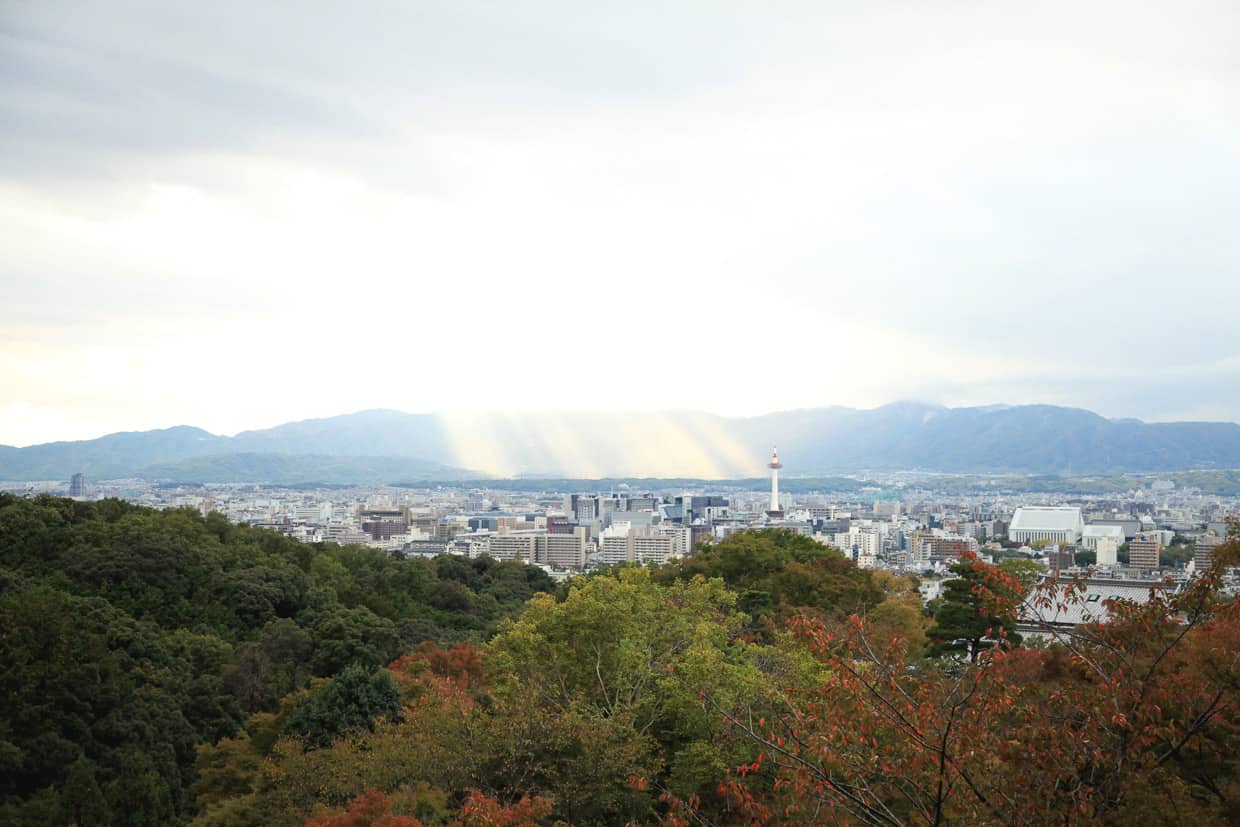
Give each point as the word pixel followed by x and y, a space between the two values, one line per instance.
pixel 896 522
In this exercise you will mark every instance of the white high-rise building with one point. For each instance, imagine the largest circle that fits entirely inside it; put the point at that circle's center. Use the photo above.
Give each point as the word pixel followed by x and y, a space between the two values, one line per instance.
pixel 1107 550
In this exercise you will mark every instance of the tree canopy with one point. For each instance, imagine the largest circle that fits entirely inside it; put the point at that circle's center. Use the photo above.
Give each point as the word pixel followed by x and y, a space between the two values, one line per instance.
pixel 130 636
pixel 166 668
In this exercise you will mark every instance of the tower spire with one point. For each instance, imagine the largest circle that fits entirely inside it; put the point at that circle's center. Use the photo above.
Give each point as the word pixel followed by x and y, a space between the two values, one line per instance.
pixel 775 465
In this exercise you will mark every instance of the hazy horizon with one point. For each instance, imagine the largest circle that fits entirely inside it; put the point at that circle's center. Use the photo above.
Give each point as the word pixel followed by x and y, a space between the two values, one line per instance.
pixel 497 414
pixel 232 215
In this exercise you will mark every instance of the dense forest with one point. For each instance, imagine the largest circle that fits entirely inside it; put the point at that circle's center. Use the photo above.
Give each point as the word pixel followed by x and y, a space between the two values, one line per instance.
pixel 131 637
pixel 164 668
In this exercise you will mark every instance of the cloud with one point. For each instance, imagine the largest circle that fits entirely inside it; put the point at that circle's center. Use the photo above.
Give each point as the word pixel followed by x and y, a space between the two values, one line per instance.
pixel 562 207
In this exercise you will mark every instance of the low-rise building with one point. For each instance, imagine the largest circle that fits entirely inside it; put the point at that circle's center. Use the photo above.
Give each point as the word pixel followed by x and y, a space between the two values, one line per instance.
pixel 1068 609
pixel 1050 524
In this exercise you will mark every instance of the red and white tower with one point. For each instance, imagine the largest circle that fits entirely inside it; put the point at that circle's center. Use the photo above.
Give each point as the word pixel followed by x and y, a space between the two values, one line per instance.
pixel 775 465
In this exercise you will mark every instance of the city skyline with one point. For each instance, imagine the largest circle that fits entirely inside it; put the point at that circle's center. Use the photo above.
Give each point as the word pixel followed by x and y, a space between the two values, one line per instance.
pixel 211 221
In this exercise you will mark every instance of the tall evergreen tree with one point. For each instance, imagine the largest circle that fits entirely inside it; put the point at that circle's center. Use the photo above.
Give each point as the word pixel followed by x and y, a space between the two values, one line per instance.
pixel 977 611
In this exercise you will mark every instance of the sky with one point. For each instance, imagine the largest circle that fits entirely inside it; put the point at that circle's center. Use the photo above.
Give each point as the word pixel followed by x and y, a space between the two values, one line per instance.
pixel 237 214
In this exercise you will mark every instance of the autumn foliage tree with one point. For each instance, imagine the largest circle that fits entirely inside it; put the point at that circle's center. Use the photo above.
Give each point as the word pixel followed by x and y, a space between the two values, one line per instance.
pixel 1129 721
pixel 376 809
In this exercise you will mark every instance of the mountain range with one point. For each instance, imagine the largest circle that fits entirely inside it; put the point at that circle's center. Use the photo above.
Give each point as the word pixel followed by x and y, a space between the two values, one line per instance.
pixel 386 446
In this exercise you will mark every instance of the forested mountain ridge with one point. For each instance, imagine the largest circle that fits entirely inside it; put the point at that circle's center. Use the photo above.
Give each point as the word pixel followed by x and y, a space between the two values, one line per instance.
pixel 905 436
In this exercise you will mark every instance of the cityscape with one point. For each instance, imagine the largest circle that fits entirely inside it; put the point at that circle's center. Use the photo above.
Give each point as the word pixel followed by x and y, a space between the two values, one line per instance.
pixel 560 414
pixel 1153 531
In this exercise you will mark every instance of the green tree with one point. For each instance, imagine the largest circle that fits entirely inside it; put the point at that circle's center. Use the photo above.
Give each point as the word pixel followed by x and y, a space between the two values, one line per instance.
pixel 81 799
pixel 227 769
pixel 271 667
pixel 350 702
pixel 346 636
pixel 978 610
pixel 781 573
pixel 126 631
pixel 1177 555
pixel 140 795
pixel 654 660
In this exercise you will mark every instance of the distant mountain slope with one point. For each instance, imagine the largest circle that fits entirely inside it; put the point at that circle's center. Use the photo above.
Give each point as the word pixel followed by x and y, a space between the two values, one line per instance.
pixel 111 456
pixel 1041 439
pixel 375 433
pixel 1026 438
pixel 290 469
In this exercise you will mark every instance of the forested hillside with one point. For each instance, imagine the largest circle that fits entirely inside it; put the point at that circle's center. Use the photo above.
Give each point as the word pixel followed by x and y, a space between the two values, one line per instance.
pixel 129 637
pixel 163 668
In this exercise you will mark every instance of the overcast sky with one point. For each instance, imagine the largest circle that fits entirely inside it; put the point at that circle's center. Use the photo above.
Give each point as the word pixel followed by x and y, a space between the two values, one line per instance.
pixel 251 213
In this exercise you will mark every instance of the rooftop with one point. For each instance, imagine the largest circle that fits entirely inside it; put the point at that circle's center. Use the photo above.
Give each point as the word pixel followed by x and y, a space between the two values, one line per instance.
pixel 1090 606
pixel 1046 518
pixel 1112 531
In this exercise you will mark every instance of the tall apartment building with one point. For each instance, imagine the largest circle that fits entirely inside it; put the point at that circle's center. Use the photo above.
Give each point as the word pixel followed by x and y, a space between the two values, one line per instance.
pixel 624 543
pixel 566 551
pixel 1203 551
pixel 682 539
pixel 447 529
pixel 862 540
pixel 1143 554
pixel 77 486
pixel 581 507
pixel 652 548
pixel 919 547
pixel 528 546
pixel 613 544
